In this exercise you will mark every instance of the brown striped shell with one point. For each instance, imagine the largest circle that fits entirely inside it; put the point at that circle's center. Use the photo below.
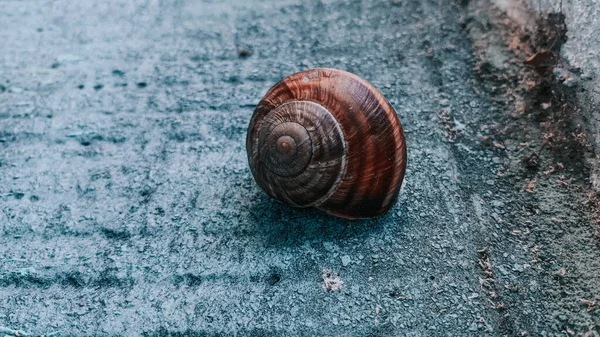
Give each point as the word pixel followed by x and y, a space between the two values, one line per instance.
pixel 328 139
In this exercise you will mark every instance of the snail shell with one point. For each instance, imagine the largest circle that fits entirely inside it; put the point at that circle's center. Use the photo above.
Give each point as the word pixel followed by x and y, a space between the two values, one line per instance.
pixel 328 139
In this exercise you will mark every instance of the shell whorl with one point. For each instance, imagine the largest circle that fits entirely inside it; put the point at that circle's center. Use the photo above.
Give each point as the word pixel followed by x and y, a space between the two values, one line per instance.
pixel 329 139
pixel 306 171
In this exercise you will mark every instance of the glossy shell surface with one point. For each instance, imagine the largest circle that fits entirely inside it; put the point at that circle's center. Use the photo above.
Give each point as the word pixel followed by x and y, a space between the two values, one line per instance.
pixel 327 138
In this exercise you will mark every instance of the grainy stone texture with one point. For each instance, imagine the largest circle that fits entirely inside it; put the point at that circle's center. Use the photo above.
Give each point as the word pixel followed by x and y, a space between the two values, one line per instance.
pixel 582 18
pixel 127 207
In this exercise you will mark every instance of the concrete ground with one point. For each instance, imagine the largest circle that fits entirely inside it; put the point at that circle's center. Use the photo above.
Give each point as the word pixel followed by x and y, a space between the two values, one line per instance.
pixel 127 206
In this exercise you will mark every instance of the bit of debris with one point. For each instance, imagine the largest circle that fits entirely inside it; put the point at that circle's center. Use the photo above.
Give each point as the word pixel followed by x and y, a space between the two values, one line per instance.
pixel 529 188
pixel 331 280
pixel 551 170
pixel 448 125
pixel 591 304
pixel 488 283
pixel 244 52
pixel 450 47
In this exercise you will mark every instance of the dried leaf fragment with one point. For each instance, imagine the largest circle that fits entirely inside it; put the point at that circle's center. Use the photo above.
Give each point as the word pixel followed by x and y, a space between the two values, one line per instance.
pixel 539 59
pixel 331 280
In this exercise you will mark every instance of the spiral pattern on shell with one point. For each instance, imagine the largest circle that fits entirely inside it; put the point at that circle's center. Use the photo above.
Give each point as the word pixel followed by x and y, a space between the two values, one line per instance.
pixel 328 139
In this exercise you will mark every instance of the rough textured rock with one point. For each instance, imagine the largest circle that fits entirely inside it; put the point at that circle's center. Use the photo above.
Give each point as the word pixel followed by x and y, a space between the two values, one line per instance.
pixel 127 207
pixel 580 51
